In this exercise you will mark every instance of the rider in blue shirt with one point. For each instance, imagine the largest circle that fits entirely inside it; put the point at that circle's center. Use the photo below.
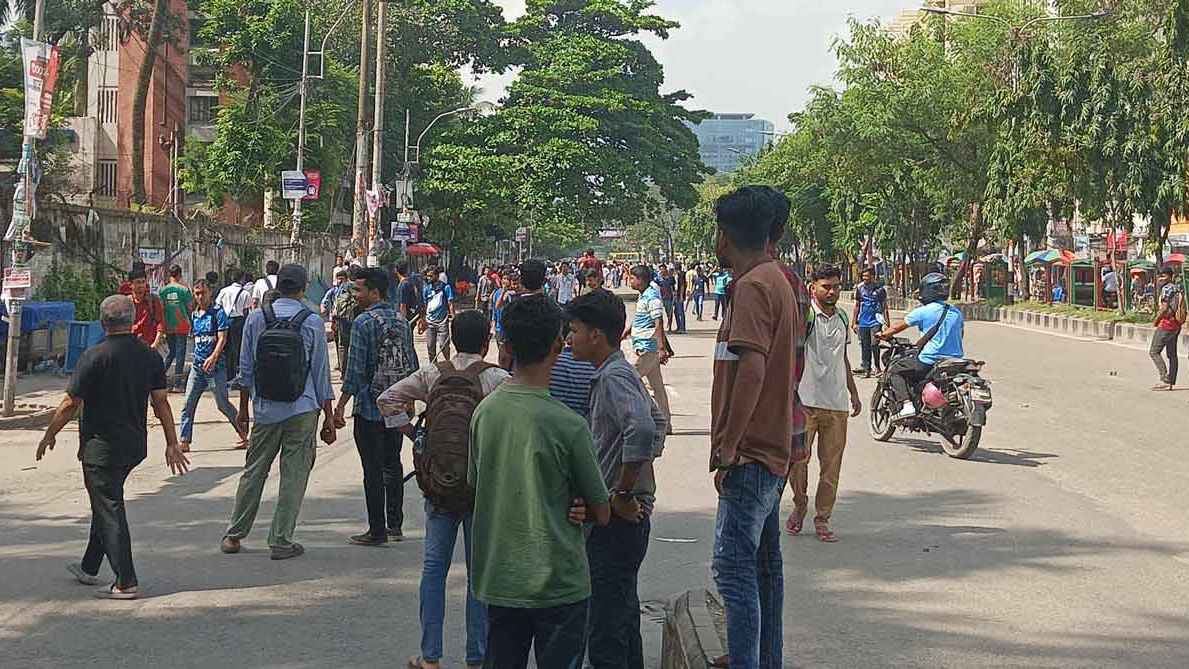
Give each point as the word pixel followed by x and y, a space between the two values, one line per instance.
pixel 906 372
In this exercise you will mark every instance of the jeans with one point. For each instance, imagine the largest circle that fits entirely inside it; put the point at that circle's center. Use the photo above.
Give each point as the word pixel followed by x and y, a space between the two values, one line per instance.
pixel 558 634
pixel 109 523
pixel 177 352
pixel 699 304
pixel 195 386
pixel 867 342
pixel 438 339
pixel 1164 342
pixel 720 304
pixel 235 339
pixel 905 373
pixel 615 553
pixel 680 314
pixel 441 531
pixel 342 341
pixel 293 440
pixel 383 475
pixel 747 565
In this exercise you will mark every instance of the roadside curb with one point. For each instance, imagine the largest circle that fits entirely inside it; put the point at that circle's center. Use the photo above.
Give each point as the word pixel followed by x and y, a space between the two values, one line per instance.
pixel 29 417
pixel 691 639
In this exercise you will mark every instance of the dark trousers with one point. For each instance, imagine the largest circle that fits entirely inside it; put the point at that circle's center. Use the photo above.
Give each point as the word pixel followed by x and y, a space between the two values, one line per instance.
pixel 719 304
pixel 109 523
pixel 904 374
pixel 867 343
pixel 557 634
pixel 680 314
pixel 235 338
pixel 342 341
pixel 1165 343
pixel 383 475
pixel 177 353
pixel 616 553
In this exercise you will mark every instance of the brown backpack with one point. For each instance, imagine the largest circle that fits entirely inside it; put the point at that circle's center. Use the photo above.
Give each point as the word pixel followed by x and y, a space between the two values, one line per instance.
pixel 442 459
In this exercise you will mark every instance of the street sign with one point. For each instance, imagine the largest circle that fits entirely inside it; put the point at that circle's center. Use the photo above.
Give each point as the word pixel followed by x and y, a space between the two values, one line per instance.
pixel 401 232
pixel 313 184
pixel 293 185
pixel 18 278
pixel 521 234
pixel 152 256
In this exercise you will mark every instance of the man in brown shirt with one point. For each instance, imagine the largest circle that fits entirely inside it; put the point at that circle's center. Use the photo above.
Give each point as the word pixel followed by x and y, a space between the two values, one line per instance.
pixel 752 428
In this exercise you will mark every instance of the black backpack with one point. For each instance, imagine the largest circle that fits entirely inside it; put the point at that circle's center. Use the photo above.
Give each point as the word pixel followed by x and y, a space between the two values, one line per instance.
pixel 282 362
pixel 271 294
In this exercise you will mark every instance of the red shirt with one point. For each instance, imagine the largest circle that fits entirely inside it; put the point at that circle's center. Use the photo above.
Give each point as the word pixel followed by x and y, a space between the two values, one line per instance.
pixel 150 318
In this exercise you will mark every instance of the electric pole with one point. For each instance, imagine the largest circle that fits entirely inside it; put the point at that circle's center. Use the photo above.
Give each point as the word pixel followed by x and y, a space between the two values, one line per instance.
pixel 359 218
pixel 301 129
pixel 378 133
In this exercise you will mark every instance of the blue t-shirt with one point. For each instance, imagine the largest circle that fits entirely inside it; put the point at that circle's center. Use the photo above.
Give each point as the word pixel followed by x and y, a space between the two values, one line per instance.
pixel 649 310
pixel 947 343
pixel 721 280
pixel 871 299
pixel 206 326
pixel 437 308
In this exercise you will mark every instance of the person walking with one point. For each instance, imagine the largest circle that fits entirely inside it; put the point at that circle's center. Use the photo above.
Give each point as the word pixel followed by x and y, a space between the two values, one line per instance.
pixel 234 300
pixel 751 430
pixel 828 393
pixel 529 561
pixel 648 336
pixel 265 284
pixel 871 304
pixel 721 279
pixel 326 306
pixel 178 302
pixel 149 325
pixel 114 383
pixel 438 298
pixel 471 336
pixel 483 292
pixel 285 373
pixel 209 325
pixel 381 353
pixel 564 284
pixel 629 433
pixel 1169 321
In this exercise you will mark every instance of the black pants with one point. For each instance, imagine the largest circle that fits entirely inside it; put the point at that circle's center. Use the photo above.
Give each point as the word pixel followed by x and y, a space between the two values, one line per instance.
pixel 616 553
pixel 905 373
pixel 1165 343
pixel 235 338
pixel 109 523
pixel 870 352
pixel 557 634
pixel 383 475
pixel 342 341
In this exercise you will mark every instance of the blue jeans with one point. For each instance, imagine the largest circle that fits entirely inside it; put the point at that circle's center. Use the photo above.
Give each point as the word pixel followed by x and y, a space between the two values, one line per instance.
pixel 441 531
pixel 747 566
pixel 195 386
pixel 177 351
pixel 699 304
pixel 680 314
pixel 720 304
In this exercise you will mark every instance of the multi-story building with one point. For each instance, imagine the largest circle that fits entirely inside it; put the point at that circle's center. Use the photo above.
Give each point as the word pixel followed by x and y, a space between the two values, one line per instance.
pixel 903 23
pixel 724 140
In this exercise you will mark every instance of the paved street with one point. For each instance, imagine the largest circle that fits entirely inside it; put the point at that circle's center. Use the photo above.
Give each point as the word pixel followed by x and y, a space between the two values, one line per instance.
pixel 1063 543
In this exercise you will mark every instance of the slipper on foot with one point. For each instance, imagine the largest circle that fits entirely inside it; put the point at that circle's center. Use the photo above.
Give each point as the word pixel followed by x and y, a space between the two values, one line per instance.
pixel 76 570
pixel 111 592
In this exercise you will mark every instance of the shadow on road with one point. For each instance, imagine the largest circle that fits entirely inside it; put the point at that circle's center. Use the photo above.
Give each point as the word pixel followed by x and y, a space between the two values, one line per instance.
pixel 1005 456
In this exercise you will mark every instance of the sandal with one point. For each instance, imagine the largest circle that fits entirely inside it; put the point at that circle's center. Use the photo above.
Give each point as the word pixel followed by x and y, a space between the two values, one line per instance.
pixel 110 592
pixel 796 522
pixel 824 534
pixel 416 662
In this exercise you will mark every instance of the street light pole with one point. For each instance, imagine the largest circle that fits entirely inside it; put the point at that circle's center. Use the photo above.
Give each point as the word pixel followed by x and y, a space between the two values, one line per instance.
pixel 358 220
pixel 378 132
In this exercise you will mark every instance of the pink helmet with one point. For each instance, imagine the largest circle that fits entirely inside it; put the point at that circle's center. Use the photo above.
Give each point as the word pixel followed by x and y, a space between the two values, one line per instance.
pixel 932 396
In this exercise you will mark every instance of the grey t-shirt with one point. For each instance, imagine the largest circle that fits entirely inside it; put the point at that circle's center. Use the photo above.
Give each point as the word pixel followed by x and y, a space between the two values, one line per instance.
pixel 626 424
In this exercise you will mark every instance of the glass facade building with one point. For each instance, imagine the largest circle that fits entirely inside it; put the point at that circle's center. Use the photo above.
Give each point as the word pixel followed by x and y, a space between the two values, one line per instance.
pixel 726 139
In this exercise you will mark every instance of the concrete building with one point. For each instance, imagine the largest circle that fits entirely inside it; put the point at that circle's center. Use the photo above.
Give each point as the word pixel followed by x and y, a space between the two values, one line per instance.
pixel 903 23
pixel 724 140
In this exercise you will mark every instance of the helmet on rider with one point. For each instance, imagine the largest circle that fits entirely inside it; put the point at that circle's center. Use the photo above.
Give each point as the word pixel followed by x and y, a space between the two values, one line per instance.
pixel 934 288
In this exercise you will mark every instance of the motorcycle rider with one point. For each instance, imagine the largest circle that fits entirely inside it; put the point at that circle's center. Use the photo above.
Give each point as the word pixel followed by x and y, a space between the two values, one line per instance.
pixel 946 342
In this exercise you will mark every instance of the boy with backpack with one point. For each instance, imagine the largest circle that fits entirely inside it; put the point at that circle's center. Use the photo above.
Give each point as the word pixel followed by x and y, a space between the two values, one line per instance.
pixel 343 313
pixel 452 390
pixel 380 354
pixel 285 372
pixel 1170 319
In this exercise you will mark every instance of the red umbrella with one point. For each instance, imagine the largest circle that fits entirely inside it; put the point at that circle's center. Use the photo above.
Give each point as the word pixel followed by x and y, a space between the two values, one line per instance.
pixel 422 249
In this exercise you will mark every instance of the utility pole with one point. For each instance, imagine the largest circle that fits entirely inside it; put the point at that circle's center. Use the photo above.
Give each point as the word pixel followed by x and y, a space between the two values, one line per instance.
pixel 294 236
pixel 373 237
pixel 359 218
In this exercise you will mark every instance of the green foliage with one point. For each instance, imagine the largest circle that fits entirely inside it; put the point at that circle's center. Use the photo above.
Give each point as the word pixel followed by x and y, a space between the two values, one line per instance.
pixel 84 288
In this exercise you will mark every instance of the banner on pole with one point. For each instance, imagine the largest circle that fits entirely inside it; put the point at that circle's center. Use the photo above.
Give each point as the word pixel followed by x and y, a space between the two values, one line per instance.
pixel 293 185
pixel 313 184
pixel 41 73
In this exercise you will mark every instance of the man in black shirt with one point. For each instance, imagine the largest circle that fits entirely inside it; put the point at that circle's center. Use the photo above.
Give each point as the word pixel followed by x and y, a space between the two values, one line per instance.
pixel 113 384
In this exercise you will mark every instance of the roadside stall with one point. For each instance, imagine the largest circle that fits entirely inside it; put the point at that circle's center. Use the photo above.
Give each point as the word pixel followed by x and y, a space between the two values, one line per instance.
pixel 993 277
pixel 1054 267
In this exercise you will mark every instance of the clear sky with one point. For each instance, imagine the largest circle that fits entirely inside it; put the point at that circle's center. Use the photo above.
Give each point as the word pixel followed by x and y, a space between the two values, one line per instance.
pixel 756 56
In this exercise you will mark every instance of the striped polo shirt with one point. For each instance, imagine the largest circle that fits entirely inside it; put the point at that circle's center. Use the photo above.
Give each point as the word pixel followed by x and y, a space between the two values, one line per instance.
pixel 570 383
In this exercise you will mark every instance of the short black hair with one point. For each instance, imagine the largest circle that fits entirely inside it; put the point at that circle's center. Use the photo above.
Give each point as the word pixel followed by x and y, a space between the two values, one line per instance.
pixel 374 278
pixel 175 271
pixel 780 220
pixel 642 272
pixel 235 275
pixel 746 216
pixel 470 331
pixel 532 274
pixel 826 272
pixel 531 326
pixel 402 268
pixel 212 278
pixel 601 310
pixel 137 273
pixel 1167 270
pixel 272 267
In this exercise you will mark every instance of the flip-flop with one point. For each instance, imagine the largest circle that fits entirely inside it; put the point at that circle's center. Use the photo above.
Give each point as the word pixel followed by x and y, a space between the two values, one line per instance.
pixel 796 522
pixel 824 534
pixel 416 662
pixel 110 593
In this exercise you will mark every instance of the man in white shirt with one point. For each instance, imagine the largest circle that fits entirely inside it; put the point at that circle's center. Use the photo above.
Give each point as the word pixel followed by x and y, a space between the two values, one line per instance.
pixel 235 300
pixel 827 392
pixel 266 283
pixel 565 284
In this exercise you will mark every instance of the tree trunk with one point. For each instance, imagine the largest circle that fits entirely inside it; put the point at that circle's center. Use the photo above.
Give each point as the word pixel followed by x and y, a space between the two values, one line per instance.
pixel 967 265
pixel 140 99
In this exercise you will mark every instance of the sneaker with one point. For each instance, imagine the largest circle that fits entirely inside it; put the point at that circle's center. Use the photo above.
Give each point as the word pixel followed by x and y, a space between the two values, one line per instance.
pixel 908 410
pixel 367 539
pixel 229 545
pixel 76 570
pixel 112 592
pixel 285 552
pixel 394 534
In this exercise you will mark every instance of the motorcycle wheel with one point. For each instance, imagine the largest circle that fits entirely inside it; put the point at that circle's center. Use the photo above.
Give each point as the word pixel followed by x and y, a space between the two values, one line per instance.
pixel 881 414
pixel 962 446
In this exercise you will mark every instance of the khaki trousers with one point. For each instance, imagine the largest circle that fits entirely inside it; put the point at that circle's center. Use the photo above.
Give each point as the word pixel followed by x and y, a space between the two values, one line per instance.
pixel 828 429
pixel 648 365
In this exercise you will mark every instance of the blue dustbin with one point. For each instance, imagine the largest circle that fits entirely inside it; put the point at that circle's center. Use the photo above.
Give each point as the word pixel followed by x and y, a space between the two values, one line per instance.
pixel 83 335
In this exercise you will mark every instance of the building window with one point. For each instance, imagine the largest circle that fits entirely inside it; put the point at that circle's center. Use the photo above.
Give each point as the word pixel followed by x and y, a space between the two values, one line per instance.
pixel 203 108
pixel 108 33
pixel 107 104
pixel 105 178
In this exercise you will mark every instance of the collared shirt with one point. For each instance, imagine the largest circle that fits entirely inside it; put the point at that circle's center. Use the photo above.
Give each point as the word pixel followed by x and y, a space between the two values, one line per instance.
pixel 626 425
pixel 569 383
pixel 363 352
pixel 416 386
pixel 564 286
pixel 317 389
pixel 329 298
pixel 824 384
pixel 649 310
pixel 150 318
pixel 234 300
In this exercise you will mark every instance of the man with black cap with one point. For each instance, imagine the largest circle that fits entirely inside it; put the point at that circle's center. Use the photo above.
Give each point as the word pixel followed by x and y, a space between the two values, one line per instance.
pixel 286 409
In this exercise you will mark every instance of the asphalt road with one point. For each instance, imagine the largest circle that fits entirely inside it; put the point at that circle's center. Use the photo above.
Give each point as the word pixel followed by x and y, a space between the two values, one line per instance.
pixel 1063 543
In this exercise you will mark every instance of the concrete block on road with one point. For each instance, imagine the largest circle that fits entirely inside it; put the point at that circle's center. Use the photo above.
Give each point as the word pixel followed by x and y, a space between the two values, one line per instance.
pixel 692 639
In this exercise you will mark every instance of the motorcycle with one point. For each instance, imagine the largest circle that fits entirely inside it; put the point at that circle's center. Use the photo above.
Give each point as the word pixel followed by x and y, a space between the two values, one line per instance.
pixel 952 401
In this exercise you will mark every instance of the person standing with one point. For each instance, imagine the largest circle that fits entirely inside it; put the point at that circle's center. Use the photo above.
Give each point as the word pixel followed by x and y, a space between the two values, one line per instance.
pixel 285 373
pixel 565 286
pixel 680 297
pixel 871 303
pixel 648 336
pixel 1169 321
pixel 751 429
pixel 344 311
pixel 722 279
pixel 234 300
pixel 529 564
pixel 210 339
pixel 595 281
pixel 569 382
pixel 326 307
pixel 381 354
pixel 828 393
pixel 114 383
pixel 628 431
pixel 668 286
pixel 484 291
pixel 698 284
pixel 471 336
pixel 438 298
pixel 149 325
pixel 265 284
pixel 178 303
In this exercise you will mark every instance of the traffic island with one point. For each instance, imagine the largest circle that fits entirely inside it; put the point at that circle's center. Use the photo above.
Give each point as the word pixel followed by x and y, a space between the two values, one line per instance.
pixel 695 631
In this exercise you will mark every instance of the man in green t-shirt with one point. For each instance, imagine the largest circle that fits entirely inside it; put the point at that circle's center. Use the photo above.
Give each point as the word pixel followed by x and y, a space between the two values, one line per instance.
pixel 529 561
pixel 179 303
